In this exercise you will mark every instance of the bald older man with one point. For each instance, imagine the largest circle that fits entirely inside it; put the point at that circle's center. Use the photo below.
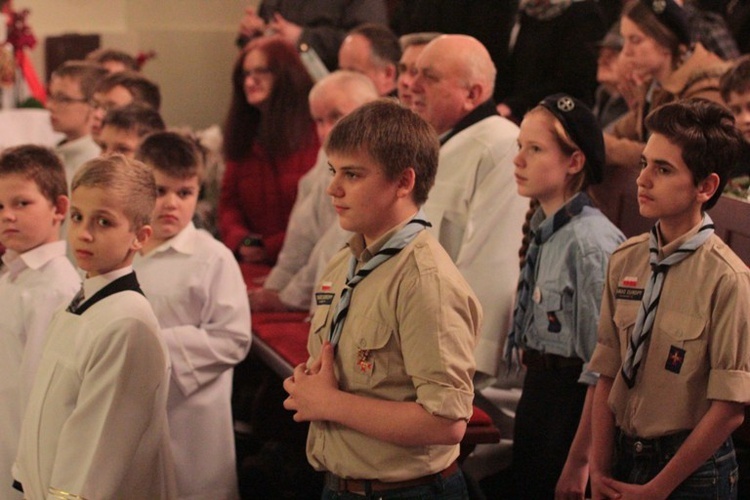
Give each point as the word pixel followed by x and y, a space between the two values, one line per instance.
pixel 313 234
pixel 475 210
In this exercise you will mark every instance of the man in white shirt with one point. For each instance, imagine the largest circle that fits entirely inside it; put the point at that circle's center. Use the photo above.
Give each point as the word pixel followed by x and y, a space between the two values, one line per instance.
pixel 475 210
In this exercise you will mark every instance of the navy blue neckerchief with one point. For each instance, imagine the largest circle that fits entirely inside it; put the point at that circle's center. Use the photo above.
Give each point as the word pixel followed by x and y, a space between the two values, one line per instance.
pixel 484 110
pixel 122 284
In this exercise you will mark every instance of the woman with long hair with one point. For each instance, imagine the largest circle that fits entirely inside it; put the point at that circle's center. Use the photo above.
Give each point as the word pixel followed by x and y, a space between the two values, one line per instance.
pixel 665 65
pixel 269 143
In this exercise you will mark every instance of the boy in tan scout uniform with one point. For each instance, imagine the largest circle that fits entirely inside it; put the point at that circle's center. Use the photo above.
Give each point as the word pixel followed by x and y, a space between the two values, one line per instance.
pixel 388 387
pixel 673 351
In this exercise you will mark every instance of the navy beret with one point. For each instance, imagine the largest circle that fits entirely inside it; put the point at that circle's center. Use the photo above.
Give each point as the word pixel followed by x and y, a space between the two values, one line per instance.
pixel 581 125
pixel 671 15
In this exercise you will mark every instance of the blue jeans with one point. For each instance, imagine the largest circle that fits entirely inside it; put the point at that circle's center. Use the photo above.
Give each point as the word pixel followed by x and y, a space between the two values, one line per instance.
pixel 452 487
pixel 637 461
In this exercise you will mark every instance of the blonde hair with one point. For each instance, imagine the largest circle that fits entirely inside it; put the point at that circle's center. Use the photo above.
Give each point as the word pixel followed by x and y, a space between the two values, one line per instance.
pixel 130 181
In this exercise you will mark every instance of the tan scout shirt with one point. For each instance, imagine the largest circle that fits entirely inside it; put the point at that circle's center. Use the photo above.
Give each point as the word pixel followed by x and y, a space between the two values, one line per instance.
pixel 698 350
pixel 409 336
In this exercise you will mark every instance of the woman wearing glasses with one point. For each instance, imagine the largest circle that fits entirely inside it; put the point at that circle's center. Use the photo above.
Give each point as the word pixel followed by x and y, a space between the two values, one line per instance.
pixel 269 143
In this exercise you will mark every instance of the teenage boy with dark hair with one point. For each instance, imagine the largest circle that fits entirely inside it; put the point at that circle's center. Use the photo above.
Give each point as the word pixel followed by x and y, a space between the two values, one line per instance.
pixel 673 357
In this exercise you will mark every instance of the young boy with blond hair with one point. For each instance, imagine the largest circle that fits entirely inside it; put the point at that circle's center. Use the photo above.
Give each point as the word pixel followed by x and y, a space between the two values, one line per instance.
pixel 96 421
pixel 196 288
pixel 35 279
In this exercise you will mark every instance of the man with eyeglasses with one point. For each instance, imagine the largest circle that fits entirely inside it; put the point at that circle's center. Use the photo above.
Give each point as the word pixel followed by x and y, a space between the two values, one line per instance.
pixel 70 103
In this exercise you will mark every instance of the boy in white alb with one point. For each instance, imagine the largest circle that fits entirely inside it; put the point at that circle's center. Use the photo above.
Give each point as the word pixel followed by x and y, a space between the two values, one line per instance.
pixel 196 288
pixel 35 279
pixel 96 424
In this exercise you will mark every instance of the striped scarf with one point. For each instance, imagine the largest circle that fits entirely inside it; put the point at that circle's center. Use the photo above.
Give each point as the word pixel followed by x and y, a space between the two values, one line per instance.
pixel 644 321
pixel 393 246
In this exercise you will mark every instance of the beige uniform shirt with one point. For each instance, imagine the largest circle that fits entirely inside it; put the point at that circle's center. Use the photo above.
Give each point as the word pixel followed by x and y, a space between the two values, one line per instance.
pixel 409 336
pixel 698 350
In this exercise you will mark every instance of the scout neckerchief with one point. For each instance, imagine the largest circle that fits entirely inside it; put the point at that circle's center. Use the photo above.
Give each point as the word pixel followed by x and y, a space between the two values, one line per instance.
pixel 121 284
pixel 391 247
pixel 644 321
pixel 539 236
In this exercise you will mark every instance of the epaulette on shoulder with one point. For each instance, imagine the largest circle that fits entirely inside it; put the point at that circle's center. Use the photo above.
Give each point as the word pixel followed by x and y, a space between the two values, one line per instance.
pixel 631 242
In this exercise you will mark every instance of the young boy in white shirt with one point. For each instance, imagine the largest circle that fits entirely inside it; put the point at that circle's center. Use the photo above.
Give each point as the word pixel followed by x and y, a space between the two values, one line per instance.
pixel 71 106
pixel 35 279
pixel 196 288
pixel 96 422
pixel 124 128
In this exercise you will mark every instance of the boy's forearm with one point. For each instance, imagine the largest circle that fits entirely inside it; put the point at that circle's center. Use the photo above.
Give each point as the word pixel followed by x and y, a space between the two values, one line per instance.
pixel 402 423
pixel 580 448
pixel 603 429
pixel 722 418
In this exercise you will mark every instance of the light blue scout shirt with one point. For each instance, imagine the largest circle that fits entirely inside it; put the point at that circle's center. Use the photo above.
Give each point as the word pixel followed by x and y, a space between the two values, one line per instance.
pixel 570 273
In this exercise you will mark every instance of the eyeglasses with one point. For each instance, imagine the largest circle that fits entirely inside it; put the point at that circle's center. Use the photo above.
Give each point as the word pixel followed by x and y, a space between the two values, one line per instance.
pixel 64 99
pixel 259 72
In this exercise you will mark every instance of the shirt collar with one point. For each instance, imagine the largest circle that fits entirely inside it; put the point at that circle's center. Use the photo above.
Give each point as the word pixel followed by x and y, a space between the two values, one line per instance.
pixel 34 258
pixel 362 253
pixel 93 285
pixel 182 242
pixel 668 249
pixel 484 110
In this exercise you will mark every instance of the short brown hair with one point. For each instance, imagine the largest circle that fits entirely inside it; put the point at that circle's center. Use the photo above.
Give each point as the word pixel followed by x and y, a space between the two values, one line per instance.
pixel 39 164
pixel 706 134
pixel 395 137
pixel 173 154
pixel 130 181
pixel 736 79
pixel 137 118
pixel 143 90
pixel 87 74
pixel 101 56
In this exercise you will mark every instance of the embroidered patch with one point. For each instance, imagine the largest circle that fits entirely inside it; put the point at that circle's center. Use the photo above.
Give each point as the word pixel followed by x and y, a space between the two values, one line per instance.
pixel 625 293
pixel 363 361
pixel 675 359
pixel 324 298
pixel 554 325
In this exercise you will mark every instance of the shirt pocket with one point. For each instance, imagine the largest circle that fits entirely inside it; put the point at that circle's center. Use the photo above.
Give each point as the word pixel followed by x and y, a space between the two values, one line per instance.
pixel 366 353
pixel 553 319
pixel 680 344
pixel 319 321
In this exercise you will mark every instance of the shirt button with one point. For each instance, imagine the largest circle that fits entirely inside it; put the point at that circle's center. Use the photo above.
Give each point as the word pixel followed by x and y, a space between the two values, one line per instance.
pixel 362 342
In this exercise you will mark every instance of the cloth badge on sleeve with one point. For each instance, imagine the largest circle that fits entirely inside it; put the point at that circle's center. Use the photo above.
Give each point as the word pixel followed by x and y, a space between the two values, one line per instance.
pixel 675 359
pixel 325 296
pixel 628 289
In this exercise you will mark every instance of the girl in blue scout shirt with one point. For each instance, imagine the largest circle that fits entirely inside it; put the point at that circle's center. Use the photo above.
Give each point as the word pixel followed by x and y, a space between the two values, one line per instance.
pixel 561 153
